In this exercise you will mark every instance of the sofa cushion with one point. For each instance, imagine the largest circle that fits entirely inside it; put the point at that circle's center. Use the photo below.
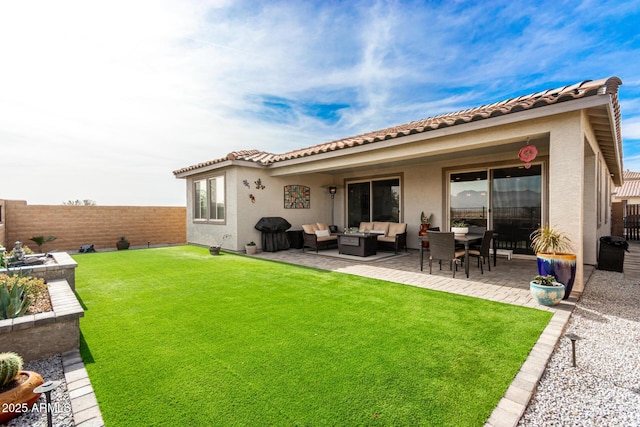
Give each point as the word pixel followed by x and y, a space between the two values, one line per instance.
pixel 381 226
pixel 322 233
pixel 309 228
pixel 386 239
pixel 365 226
pixel 326 238
pixel 396 228
pixel 322 226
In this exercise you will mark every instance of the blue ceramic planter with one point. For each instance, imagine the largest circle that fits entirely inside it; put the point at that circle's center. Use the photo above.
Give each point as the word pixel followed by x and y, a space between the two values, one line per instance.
pixel 560 266
pixel 547 295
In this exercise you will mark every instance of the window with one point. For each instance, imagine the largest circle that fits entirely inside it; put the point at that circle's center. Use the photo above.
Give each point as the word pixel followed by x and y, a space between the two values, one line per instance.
pixel 208 199
pixel 373 200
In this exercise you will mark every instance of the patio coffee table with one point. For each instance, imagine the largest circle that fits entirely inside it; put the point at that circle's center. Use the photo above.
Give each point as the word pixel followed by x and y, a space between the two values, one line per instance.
pixel 359 244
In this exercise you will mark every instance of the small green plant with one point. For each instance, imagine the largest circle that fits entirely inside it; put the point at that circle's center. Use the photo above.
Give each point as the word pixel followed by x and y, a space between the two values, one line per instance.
pixel 12 302
pixel 17 293
pixel 41 240
pixel 547 280
pixel 425 219
pixel 549 240
pixel 459 223
pixel 10 367
pixel 251 243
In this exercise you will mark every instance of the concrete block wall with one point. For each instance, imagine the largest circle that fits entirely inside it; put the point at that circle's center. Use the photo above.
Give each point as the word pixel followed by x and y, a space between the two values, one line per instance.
pixel 101 226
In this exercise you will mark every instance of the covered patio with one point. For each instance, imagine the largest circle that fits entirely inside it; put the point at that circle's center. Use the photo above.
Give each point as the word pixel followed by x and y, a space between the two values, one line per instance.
pixel 508 281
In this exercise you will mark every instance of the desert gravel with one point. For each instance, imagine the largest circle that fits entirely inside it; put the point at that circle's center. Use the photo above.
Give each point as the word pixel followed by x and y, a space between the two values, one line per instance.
pixel 62 416
pixel 604 387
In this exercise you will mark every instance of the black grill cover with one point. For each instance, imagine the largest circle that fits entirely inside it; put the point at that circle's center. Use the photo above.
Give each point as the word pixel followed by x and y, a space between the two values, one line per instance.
pixel 274 236
pixel 272 224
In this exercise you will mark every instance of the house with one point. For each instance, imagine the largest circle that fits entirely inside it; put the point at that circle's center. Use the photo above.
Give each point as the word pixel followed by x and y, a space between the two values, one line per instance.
pixel 548 157
pixel 629 191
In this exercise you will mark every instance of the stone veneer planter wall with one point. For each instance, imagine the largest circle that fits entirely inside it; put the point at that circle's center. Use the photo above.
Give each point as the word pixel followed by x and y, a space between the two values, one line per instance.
pixel 63 268
pixel 36 336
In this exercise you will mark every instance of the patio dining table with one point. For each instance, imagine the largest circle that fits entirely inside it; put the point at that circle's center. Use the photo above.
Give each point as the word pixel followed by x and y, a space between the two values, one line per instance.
pixel 466 240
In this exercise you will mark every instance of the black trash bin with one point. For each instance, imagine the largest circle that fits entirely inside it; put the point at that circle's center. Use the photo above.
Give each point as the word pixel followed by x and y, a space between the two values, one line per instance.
pixel 611 255
pixel 274 236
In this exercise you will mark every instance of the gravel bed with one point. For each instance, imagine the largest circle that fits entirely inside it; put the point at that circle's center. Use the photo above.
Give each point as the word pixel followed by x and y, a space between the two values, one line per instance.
pixel 604 387
pixel 62 416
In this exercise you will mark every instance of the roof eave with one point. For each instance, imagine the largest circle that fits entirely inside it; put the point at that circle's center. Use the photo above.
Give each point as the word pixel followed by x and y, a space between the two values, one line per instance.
pixel 520 116
pixel 196 170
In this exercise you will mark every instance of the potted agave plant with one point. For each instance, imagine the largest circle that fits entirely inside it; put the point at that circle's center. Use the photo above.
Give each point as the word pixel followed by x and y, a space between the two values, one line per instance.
pixel 459 227
pixel 553 249
pixel 16 386
pixel 546 290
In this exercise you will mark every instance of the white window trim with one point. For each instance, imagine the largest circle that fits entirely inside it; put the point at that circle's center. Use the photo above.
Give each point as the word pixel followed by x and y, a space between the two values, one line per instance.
pixel 206 181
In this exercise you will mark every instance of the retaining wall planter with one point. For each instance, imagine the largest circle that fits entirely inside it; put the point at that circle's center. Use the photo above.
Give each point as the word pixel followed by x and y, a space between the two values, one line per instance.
pixel 36 336
pixel 64 268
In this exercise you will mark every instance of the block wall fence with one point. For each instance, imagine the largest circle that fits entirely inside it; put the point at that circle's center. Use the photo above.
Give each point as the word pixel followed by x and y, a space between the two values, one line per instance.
pixel 101 226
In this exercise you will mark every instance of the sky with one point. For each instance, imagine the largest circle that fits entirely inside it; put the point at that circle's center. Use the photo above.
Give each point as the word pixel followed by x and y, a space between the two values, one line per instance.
pixel 103 100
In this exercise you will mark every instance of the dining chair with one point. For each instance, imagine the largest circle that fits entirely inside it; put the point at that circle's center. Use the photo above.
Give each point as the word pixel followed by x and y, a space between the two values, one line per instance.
pixel 482 253
pixel 442 247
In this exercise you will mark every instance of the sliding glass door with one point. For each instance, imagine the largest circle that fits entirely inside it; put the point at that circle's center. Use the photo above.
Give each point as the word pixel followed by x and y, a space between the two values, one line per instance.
pixel 469 198
pixel 507 200
pixel 373 200
pixel 517 205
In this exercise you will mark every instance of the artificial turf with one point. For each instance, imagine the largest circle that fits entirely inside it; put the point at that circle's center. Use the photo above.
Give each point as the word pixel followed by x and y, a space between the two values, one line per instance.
pixel 175 336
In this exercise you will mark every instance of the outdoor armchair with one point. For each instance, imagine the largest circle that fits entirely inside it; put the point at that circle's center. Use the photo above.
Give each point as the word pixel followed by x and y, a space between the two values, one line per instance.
pixel 442 247
pixel 482 252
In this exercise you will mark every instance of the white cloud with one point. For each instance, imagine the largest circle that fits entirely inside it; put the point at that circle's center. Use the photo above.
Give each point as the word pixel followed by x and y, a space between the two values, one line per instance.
pixel 123 92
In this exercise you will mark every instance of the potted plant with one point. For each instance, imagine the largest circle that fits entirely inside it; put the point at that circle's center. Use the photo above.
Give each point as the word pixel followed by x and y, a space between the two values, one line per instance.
pixel 215 247
pixel 425 223
pixel 122 244
pixel 546 290
pixel 251 248
pixel 16 386
pixel 459 227
pixel 553 249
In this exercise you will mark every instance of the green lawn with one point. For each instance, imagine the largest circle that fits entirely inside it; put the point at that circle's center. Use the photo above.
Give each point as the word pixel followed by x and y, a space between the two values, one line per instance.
pixel 175 336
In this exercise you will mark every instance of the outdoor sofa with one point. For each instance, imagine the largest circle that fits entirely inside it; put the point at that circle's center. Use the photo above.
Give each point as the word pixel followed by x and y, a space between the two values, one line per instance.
pixel 391 235
pixel 317 236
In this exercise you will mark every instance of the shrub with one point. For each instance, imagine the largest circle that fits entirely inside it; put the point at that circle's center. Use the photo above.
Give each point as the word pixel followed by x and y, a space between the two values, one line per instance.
pixel 17 293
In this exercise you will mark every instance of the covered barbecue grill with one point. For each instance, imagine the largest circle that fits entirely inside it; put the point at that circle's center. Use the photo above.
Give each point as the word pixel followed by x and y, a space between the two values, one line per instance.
pixel 274 236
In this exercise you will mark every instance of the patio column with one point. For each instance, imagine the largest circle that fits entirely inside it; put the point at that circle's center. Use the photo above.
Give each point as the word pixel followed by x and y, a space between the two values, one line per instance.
pixel 566 185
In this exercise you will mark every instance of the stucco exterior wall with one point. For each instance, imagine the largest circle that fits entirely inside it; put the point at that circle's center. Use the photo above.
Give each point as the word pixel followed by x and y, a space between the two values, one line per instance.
pixel 243 214
pixel 576 180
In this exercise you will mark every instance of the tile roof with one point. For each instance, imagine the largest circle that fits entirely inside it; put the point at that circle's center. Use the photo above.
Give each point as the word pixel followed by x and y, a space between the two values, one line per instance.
pixel 630 175
pixel 631 185
pixel 509 106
